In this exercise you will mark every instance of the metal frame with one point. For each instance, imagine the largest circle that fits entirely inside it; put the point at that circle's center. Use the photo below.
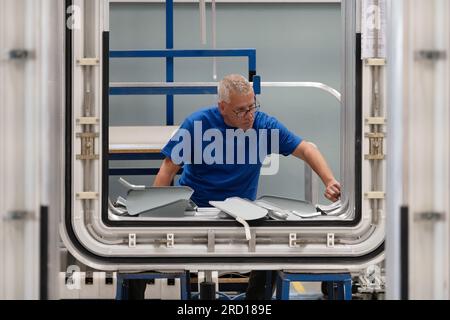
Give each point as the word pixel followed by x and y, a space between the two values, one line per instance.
pixel 396 150
pixel 357 244
pixel 25 132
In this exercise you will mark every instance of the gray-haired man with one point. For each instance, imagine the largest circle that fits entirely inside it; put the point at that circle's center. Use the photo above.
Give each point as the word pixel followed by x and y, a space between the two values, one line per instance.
pixel 217 173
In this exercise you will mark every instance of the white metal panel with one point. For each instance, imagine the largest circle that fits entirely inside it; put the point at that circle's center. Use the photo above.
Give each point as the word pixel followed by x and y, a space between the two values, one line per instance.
pixel 428 142
pixel 108 241
pixel 2 147
pixel 12 155
pixel 32 144
pixel 29 91
pixel 395 151
pixel 51 82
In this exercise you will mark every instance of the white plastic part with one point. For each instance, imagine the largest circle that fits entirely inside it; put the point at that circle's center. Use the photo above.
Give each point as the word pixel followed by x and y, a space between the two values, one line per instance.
pixel 375 195
pixel 248 234
pixel 330 240
pixel 293 240
pixel 306 215
pixel 130 186
pixel 317 85
pixel 170 240
pixel 88 62
pixel 278 212
pixel 87 195
pixel 132 240
pixel 376 121
pixel 375 62
pixel 330 209
pixel 88 120
pixel 237 207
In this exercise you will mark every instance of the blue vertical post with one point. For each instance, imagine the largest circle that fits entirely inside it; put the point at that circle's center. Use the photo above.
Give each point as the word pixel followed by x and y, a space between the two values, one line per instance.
pixel 330 287
pixel 341 290
pixel 119 287
pixel 283 287
pixel 184 287
pixel 169 61
pixel 348 289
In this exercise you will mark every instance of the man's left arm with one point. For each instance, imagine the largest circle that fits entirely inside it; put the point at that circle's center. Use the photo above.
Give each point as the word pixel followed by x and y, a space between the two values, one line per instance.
pixel 312 156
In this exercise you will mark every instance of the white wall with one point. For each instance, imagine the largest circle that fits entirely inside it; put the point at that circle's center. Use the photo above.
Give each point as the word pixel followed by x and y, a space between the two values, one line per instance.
pixel 29 98
pixel 420 126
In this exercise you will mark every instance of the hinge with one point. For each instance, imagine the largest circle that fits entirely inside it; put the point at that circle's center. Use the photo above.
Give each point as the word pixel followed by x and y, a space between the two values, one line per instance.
pixel 376 141
pixel 87 146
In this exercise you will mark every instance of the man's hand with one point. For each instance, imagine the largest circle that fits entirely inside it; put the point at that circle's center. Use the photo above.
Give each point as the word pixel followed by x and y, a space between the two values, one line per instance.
pixel 333 191
pixel 312 156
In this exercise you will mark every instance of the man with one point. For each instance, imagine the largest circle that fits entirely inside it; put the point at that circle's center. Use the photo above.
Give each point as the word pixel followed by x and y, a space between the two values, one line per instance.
pixel 220 169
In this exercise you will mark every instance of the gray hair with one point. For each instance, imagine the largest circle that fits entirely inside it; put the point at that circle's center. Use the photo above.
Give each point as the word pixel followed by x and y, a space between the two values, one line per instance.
pixel 234 83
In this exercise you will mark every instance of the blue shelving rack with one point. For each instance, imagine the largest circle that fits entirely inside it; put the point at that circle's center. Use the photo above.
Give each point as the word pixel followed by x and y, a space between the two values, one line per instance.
pixel 170 91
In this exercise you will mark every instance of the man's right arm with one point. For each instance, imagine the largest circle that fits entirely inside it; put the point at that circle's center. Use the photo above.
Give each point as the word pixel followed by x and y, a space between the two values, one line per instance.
pixel 166 173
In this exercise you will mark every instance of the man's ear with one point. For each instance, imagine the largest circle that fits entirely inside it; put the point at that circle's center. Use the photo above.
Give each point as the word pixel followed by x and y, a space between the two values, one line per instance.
pixel 221 107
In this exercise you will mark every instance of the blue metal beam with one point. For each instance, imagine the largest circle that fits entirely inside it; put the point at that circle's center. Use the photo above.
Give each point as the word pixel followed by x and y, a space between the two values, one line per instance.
pixel 136 156
pixel 170 77
pixel 195 53
pixel 257 84
pixel 162 90
pixel 136 171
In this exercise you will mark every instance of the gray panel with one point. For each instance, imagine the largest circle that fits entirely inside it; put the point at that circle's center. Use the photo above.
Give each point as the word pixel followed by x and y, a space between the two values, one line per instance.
pixel 140 201
pixel 240 208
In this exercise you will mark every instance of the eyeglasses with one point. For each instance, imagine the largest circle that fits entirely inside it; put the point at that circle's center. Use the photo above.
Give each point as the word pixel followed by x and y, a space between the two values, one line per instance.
pixel 253 109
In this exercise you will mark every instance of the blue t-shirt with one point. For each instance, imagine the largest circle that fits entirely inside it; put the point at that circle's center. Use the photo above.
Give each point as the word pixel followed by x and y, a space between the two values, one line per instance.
pixel 220 161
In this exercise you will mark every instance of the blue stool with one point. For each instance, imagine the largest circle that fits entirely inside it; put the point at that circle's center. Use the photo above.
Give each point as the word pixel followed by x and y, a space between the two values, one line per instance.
pixel 122 278
pixel 343 281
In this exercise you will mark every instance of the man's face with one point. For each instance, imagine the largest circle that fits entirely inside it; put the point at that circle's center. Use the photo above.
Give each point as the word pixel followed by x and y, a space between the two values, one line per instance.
pixel 240 111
